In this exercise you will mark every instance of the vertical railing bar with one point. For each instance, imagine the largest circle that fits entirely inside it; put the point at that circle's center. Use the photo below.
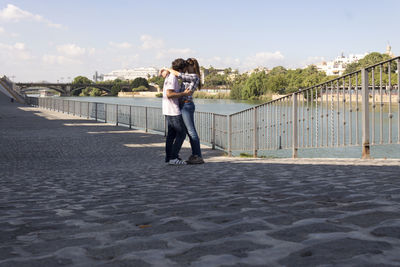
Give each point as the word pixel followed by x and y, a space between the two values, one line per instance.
pixel 116 115
pixel 398 101
pixel 373 105
pixel 357 112
pixel 332 118
pixel 344 111
pixel 338 113
pixel 312 117
pixel 229 135
pixel 350 113
pixel 213 130
pixel 145 119
pixel 390 115
pixel 294 134
pixel 255 143
pixel 308 119
pixel 365 114
pixel 381 105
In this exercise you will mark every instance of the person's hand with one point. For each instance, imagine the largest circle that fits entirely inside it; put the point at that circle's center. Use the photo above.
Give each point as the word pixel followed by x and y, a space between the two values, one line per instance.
pixel 188 92
pixel 163 72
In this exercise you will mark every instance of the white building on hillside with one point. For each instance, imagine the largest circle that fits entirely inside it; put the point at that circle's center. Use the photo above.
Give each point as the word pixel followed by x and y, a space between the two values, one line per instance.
pixel 130 74
pixel 338 65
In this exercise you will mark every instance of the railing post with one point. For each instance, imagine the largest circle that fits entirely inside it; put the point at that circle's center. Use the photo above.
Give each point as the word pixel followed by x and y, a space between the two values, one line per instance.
pixel 105 113
pixel 229 135
pixel 95 111
pixel 88 110
pixel 145 119
pixel 213 131
pixel 68 106
pixel 365 115
pixel 295 130
pixel 130 117
pixel 116 115
pixel 255 133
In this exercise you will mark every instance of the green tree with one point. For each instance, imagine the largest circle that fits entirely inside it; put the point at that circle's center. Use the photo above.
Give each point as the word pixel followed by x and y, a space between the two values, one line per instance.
pixel 157 80
pixel 139 82
pixel 81 80
pixel 115 89
pixel 141 88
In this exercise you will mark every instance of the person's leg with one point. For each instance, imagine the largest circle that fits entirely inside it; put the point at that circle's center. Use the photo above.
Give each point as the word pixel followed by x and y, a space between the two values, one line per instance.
pixel 169 141
pixel 180 135
pixel 188 118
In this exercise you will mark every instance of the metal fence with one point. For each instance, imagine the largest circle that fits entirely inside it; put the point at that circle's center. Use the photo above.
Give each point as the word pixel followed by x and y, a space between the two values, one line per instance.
pixel 357 109
pixel 212 128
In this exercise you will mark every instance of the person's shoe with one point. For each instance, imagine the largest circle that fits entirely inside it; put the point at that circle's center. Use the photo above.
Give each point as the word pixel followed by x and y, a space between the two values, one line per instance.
pixel 194 159
pixel 167 160
pixel 177 162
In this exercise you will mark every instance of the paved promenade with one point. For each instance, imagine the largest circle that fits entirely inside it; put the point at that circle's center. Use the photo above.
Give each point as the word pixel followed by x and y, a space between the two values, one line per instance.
pixel 74 192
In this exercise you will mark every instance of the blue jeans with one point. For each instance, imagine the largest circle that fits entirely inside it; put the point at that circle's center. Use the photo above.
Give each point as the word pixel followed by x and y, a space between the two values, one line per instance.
pixel 188 118
pixel 175 137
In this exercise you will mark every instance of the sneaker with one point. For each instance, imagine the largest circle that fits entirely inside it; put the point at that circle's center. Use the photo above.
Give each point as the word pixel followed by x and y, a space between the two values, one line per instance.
pixel 177 162
pixel 167 160
pixel 194 159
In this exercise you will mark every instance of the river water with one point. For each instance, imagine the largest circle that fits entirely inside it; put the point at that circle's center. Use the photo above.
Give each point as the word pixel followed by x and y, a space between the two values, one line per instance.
pixel 219 106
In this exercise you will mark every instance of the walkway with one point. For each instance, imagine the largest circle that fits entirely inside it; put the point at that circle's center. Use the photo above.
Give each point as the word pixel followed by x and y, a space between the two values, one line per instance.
pixel 74 192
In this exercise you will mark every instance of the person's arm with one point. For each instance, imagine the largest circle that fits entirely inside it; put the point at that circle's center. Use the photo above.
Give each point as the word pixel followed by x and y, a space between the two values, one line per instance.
pixel 192 78
pixel 173 94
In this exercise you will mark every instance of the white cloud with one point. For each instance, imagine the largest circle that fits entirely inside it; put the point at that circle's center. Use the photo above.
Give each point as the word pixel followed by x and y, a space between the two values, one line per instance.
pixel 219 62
pixel 123 45
pixel 71 50
pixel 181 51
pixel 13 13
pixel 15 52
pixel 148 42
pixel 263 59
pixel 2 30
pixel 312 60
pixel 59 59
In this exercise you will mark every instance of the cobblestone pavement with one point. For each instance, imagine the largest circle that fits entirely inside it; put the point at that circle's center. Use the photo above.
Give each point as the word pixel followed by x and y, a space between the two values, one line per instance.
pixel 74 192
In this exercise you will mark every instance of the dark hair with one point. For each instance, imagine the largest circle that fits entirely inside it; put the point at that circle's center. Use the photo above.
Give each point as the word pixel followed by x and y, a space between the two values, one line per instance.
pixel 179 64
pixel 193 62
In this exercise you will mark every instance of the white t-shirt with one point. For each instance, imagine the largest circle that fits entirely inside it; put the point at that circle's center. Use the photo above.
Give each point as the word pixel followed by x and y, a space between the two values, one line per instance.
pixel 170 106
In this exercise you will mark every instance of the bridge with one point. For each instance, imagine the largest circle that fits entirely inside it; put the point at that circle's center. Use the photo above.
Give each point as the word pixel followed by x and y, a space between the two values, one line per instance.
pixel 65 89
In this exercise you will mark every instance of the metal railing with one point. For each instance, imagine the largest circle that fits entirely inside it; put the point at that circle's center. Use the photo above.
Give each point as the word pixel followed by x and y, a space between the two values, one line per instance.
pixel 211 127
pixel 357 109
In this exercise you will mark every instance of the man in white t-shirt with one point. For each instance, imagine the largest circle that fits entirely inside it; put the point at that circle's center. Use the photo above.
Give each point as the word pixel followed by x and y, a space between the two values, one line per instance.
pixel 170 107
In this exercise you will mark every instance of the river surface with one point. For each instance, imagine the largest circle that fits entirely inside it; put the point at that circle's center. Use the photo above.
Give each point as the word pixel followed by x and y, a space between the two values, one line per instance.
pixel 219 106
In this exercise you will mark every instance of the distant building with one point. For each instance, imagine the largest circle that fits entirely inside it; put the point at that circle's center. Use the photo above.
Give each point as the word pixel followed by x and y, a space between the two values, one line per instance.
pixel 339 64
pixel 205 72
pixel 130 74
pixel 389 51
pixel 97 77
pixel 259 69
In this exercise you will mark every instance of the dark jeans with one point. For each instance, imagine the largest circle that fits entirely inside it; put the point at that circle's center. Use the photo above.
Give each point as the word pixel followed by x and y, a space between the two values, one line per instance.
pixel 188 118
pixel 175 137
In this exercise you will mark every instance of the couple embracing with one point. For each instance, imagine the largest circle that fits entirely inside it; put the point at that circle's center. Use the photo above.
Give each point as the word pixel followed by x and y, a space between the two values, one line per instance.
pixel 178 108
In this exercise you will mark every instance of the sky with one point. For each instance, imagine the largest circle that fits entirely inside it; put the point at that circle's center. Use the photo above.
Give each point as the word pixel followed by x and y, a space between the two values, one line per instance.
pixel 47 40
